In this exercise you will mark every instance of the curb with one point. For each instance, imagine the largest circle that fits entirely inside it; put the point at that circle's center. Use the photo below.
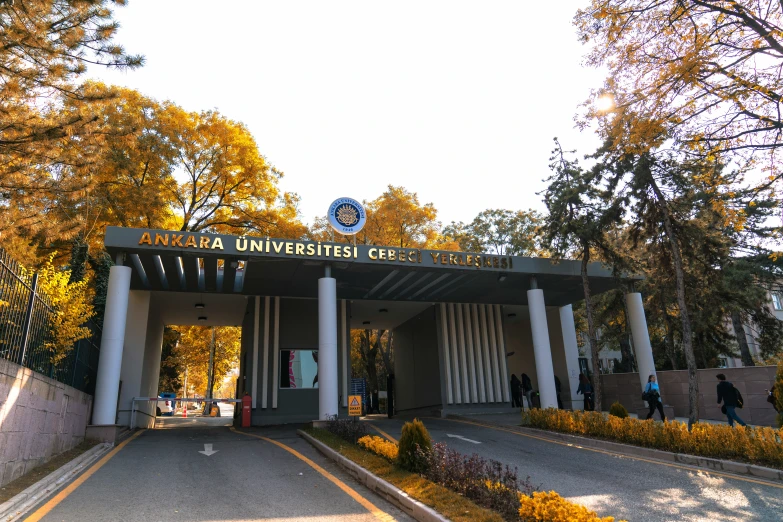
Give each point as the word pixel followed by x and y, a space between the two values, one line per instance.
pixel 16 507
pixel 377 485
pixel 713 464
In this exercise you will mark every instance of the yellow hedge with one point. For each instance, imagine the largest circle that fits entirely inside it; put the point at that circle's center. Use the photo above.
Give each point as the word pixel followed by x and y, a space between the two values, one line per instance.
pixel 551 507
pixel 380 447
pixel 760 445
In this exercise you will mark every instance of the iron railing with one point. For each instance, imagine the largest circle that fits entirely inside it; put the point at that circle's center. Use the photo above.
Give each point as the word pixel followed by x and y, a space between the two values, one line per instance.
pixel 25 328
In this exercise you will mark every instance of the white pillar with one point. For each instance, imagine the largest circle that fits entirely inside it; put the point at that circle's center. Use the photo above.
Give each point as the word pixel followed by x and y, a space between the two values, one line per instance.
pixel 110 362
pixel 641 336
pixel 327 348
pixel 571 349
pixel 543 353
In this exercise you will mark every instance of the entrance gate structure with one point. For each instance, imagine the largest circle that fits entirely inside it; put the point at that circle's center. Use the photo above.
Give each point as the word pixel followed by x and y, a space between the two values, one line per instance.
pixel 463 322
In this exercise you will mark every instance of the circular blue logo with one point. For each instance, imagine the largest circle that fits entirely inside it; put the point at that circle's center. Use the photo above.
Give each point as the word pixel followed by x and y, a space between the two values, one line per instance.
pixel 347 216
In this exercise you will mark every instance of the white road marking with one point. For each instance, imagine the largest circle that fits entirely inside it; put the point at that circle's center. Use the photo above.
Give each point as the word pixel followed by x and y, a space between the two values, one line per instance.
pixel 462 438
pixel 208 450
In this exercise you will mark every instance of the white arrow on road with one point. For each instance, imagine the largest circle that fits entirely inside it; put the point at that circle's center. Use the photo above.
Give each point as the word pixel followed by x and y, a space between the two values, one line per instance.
pixel 208 450
pixel 462 438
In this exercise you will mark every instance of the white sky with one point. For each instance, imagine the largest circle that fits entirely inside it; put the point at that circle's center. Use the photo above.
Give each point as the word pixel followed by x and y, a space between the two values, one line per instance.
pixel 457 101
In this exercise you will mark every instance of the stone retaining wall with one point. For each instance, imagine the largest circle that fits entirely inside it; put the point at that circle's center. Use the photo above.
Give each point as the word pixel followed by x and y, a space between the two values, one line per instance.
pixel 750 381
pixel 39 419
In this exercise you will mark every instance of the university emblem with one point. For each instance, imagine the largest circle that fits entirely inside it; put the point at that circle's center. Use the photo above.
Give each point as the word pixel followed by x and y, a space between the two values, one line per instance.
pixel 347 216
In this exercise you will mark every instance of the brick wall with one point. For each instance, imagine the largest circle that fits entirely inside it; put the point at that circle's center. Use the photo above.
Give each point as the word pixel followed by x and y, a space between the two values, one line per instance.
pixel 39 418
pixel 750 381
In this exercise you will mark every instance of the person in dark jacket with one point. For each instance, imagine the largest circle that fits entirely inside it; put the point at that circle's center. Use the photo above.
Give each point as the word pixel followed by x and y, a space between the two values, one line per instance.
pixel 516 392
pixel 653 393
pixel 557 391
pixel 728 394
pixel 527 389
pixel 587 389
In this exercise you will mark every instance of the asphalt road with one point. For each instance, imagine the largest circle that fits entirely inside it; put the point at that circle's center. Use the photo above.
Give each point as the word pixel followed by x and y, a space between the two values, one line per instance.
pixel 612 485
pixel 161 476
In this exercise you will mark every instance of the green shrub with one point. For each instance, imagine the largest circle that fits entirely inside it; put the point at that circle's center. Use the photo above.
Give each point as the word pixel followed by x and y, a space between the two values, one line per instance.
pixel 351 429
pixel 414 435
pixel 618 410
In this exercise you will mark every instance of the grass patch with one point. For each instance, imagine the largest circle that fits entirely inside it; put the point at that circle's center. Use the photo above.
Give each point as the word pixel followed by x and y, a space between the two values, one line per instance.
pixel 449 504
pixel 15 487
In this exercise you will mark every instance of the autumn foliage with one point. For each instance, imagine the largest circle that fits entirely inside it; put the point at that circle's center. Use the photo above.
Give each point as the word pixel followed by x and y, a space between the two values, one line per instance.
pixel 758 445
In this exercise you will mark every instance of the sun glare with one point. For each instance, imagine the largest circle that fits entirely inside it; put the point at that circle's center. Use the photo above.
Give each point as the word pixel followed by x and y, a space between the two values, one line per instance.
pixel 604 103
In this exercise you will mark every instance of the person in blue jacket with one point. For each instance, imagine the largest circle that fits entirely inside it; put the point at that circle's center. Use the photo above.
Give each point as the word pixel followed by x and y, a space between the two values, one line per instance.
pixel 654 397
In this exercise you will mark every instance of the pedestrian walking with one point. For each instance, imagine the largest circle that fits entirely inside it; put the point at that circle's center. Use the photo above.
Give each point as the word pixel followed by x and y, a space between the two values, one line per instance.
pixel 557 391
pixel 772 398
pixel 516 392
pixel 586 389
pixel 527 389
pixel 731 398
pixel 652 394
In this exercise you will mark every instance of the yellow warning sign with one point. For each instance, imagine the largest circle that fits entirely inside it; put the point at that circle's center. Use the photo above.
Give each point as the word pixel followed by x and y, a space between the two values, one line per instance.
pixel 355 405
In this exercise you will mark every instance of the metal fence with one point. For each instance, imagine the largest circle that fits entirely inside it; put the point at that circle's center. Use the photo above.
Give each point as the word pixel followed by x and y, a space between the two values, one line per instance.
pixel 25 328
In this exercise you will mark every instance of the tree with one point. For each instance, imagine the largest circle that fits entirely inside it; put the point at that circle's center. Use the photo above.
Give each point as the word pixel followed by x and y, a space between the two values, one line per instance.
pixel 498 231
pixel 704 73
pixel 171 369
pixel 71 309
pixel 575 226
pixel 45 46
pixel 192 352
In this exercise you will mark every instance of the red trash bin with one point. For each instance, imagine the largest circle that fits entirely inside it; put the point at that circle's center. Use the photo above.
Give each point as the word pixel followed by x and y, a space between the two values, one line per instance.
pixel 246 403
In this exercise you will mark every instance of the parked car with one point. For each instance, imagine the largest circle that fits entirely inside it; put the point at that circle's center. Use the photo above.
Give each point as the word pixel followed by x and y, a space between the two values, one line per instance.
pixel 166 406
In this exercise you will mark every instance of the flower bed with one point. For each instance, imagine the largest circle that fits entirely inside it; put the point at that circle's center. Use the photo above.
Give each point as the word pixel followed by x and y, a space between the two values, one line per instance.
pixel 487 485
pixel 760 445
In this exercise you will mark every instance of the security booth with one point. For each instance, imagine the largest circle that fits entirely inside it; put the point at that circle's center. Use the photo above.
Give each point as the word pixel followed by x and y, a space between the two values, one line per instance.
pixel 463 322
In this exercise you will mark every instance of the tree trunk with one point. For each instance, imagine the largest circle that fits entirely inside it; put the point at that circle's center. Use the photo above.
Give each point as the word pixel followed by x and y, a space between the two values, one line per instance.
pixel 628 340
pixel 687 333
pixel 369 356
pixel 742 339
pixel 386 354
pixel 593 342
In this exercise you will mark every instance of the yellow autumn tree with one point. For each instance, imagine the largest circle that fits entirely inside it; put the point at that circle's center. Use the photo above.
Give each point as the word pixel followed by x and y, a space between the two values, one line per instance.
pixel 71 309
pixel 193 348
pixel 395 218
pixel 704 73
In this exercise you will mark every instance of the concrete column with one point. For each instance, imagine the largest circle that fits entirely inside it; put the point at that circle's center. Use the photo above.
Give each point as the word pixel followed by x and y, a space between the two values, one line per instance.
pixel 543 353
pixel 108 379
pixel 327 348
pixel 641 336
pixel 571 349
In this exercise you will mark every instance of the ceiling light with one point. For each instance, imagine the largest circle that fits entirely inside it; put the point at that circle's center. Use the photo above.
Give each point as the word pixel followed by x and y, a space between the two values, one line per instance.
pixel 202 318
pixel 383 311
pixel 365 322
pixel 512 314
pixel 199 305
pixel 502 277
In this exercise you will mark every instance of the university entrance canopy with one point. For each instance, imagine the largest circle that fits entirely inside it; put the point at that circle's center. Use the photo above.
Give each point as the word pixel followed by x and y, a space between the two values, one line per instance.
pixel 247 265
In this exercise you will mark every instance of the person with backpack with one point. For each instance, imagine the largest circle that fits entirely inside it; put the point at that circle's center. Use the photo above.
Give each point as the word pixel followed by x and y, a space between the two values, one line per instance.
pixel 587 389
pixel 652 394
pixel 527 389
pixel 731 398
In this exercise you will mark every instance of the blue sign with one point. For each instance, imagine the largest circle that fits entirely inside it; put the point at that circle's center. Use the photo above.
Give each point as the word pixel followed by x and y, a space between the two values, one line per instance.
pixel 347 216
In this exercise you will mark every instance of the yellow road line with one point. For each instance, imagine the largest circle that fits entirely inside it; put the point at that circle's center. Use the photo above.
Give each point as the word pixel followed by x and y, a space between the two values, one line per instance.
pixel 369 506
pixel 383 433
pixel 62 495
pixel 617 454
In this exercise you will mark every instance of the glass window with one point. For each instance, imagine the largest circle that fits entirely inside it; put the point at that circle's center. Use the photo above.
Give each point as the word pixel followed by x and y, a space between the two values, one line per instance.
pixel 777 301
pixel 298 369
